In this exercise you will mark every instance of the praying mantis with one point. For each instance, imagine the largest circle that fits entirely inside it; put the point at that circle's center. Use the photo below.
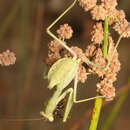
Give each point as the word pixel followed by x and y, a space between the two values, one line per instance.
pixel 61 74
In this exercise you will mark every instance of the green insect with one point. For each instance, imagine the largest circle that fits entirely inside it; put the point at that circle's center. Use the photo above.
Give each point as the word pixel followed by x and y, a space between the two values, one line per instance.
pixel 60 76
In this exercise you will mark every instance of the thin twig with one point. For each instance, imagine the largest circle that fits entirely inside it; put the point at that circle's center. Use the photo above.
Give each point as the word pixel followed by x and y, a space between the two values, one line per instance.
pixel 106 33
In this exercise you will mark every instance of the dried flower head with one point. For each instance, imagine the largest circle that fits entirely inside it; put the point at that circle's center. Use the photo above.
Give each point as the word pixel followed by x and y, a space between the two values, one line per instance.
pixel 97 33
pixel 54 52
pixel 115 66
pixel 82 74
pixel 54 46
pixel 79 52
pixel 87 4
pixel 106 89
pixel 99 60
pixel 90 50
pixel 120 14
pixel 65 31
pixel 52 58
pixel 109 4
pixel 110 77
pixel 123 28
pixel 98 13
pixel 7 58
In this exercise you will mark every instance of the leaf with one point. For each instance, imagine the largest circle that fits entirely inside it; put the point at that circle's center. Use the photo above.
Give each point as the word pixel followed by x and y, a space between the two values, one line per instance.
pixel 62 72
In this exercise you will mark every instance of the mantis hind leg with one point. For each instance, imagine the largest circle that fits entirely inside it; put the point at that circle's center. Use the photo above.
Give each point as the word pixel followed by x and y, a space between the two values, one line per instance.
pixel 75 93
pixel 69 102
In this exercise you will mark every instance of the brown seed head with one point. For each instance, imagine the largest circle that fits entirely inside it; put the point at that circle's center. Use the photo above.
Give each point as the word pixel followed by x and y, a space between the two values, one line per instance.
pixel 106 89
pixel 99 60
pixel 109 4
pixel 97 33
pixel 98 13
pixel 52 58
pixel 54 46
pixel 123 28
pixel 90 50
pixel 120 14
pixel 82 75
pixel 79 52
pixel 110 77
pixel 7 58
pixel 87 4
pixel 65 31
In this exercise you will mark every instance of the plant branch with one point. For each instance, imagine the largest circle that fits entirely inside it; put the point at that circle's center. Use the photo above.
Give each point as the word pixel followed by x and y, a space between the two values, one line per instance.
pixel 96 114
pixel 106 34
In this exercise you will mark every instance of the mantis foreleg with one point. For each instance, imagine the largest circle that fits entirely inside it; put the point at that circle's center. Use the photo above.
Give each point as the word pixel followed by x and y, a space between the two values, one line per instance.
pixel 69 102
pixel 52 103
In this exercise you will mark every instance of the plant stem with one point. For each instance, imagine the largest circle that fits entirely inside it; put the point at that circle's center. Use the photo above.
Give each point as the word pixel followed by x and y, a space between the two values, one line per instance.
pixel 99 101
pixel 96 114
pixel 106 33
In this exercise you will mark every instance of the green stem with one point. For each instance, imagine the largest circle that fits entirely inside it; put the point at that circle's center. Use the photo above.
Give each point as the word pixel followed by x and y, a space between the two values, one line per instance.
pixel 96 114
pixel 99 101
pixel 106 34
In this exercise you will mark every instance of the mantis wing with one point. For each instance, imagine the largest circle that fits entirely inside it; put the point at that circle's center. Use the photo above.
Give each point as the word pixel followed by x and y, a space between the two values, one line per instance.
pixel 62 72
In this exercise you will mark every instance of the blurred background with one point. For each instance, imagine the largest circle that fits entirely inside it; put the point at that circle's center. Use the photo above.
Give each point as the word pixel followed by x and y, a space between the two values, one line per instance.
pixel 23 91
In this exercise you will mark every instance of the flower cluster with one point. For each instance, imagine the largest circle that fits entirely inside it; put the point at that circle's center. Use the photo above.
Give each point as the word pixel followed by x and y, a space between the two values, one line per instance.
pixel 107 8
pixel 108 76
pixel 87 4
pixel 7 58
pixel 54 52
pixel 65 31
pixel 97 33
